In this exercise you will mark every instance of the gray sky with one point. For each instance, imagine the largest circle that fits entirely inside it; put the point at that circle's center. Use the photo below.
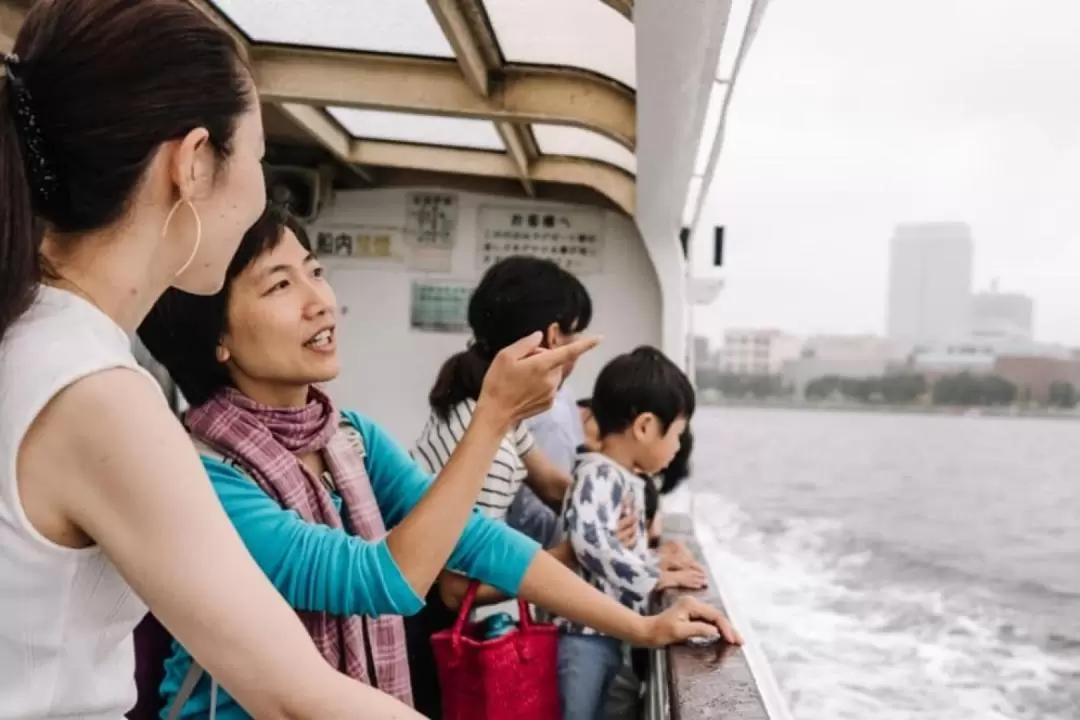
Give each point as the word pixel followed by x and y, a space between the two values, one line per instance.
pixel 852 115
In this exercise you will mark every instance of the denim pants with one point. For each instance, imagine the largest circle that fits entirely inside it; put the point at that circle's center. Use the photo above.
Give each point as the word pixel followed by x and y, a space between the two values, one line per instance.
pixel 587 665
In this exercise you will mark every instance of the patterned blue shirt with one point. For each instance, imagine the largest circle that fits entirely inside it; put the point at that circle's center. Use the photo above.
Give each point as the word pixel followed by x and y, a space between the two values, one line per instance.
pixel 590 519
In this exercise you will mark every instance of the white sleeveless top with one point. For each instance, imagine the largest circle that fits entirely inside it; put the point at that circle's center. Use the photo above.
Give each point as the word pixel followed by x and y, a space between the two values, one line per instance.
pixel 66 616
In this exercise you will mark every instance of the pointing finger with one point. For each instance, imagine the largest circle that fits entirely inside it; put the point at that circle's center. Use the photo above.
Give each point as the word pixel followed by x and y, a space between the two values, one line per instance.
pixel 569 352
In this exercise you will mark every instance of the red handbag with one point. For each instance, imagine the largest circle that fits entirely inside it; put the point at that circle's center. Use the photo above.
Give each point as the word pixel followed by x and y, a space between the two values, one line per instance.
pixel 513 677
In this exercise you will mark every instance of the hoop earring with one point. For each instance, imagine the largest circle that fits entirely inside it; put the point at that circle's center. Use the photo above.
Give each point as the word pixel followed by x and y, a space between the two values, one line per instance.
pixel 198 232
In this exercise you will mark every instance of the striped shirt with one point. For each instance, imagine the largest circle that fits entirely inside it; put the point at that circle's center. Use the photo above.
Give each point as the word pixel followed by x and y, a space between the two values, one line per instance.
pixel 439 439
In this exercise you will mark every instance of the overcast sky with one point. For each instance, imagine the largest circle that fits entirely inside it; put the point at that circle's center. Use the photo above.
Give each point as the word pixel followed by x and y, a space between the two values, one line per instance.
pixel 853 115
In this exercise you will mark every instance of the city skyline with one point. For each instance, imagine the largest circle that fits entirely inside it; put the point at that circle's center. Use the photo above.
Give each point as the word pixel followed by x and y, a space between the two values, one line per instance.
pixel 986 310
pixel 839 130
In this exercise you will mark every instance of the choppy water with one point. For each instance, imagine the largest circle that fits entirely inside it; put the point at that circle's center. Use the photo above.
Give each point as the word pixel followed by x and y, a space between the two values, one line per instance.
pixel 901 567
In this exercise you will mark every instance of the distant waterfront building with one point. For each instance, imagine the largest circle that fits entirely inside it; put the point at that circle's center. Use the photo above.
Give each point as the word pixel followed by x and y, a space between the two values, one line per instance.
pixel 996 314
pixel 1032 366
pixel 755 351
pixel 976 358
pixel 848 356
pixel 930 276
pixel 1035 376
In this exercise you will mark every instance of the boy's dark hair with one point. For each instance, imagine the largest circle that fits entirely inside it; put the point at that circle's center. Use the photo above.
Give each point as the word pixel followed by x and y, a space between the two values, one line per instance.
pixel 679 469
pixel 182 331
pixel 516 297
pixel 643 381
pixel 585 403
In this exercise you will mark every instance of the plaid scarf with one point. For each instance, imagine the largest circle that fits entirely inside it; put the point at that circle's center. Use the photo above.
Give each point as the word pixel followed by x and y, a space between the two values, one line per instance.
pixel 266 442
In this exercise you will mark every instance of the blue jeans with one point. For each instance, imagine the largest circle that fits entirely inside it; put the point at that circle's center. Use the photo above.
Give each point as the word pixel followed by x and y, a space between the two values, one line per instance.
pixel 529 515
pixel 587 665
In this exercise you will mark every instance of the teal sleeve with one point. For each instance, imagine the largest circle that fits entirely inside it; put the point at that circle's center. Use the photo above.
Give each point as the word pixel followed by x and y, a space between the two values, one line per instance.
pixel 315 567
pixel 488 550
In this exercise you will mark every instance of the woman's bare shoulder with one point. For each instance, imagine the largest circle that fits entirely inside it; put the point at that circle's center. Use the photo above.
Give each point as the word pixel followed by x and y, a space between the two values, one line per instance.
pixel 93 448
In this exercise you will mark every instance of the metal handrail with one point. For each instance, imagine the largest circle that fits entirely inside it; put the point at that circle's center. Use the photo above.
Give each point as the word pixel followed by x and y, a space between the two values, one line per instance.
pixel 712 683
pixel 776 705
pixel 657 699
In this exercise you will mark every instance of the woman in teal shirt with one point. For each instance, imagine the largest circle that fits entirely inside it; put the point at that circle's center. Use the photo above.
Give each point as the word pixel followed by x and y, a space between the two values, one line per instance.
pixel 314 511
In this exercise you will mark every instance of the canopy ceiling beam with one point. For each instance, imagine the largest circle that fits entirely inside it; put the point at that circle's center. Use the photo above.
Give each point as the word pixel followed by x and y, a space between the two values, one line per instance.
pixel 623 7
pixel 517 94
pixel 612 182
pixel 615 184
pixel 517 141
pixel 327 132
pixel 224 23
pixel 300 82
pixel 466 27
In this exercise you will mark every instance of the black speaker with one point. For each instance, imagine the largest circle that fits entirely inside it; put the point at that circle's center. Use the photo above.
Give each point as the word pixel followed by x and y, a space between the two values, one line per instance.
pixel 684 240
pixel 295 188
pixel 718 246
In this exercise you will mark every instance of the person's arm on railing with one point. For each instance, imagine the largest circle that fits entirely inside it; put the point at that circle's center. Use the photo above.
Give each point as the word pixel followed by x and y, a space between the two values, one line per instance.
pixel 552 586
pixel 454 583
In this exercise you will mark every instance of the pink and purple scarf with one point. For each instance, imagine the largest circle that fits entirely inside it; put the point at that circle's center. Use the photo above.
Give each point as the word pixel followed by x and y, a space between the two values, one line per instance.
pixel 267 442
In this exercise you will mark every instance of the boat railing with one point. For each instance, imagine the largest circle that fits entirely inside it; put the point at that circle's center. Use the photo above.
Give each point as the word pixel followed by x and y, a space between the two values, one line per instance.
pixel 718 682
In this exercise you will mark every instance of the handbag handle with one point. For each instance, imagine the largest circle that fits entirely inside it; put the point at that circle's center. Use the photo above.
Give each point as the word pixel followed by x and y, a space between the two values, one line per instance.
pixel 467 605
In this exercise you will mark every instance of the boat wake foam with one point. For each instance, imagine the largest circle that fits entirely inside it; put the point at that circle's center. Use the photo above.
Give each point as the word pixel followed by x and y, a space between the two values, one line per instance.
pixel 846 643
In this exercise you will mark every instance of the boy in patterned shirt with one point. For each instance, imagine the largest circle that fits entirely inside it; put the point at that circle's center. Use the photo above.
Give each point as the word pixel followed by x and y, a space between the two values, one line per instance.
pixel 641 403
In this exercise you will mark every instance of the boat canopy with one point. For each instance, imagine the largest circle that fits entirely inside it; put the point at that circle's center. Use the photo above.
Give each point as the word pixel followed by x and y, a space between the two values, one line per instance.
pixel 611 103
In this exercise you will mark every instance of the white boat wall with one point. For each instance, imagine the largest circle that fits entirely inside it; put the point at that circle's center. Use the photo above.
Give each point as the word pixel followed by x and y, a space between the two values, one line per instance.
pixel 425 138
pixel 389 364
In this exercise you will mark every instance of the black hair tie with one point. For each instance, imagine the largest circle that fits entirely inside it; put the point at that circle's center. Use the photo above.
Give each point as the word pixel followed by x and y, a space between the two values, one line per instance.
pixel 44 181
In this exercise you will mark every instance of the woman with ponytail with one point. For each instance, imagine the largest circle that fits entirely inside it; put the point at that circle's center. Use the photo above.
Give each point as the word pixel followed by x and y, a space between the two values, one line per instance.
pixel 130 149
pixel 517 297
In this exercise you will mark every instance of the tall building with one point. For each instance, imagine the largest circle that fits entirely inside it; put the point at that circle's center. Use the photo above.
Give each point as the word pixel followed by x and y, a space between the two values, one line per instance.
pixel 930 269
pixel 996 314
pixel 757 351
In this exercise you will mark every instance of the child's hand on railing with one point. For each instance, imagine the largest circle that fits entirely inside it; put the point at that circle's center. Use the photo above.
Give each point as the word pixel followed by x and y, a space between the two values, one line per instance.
pixel 674 555
pixel 682 579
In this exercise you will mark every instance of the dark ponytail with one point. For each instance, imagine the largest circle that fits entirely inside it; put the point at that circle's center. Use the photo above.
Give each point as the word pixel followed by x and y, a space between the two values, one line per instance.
pixel 20 239
pixel 516 297
pixel 459 379
pixel 91 91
